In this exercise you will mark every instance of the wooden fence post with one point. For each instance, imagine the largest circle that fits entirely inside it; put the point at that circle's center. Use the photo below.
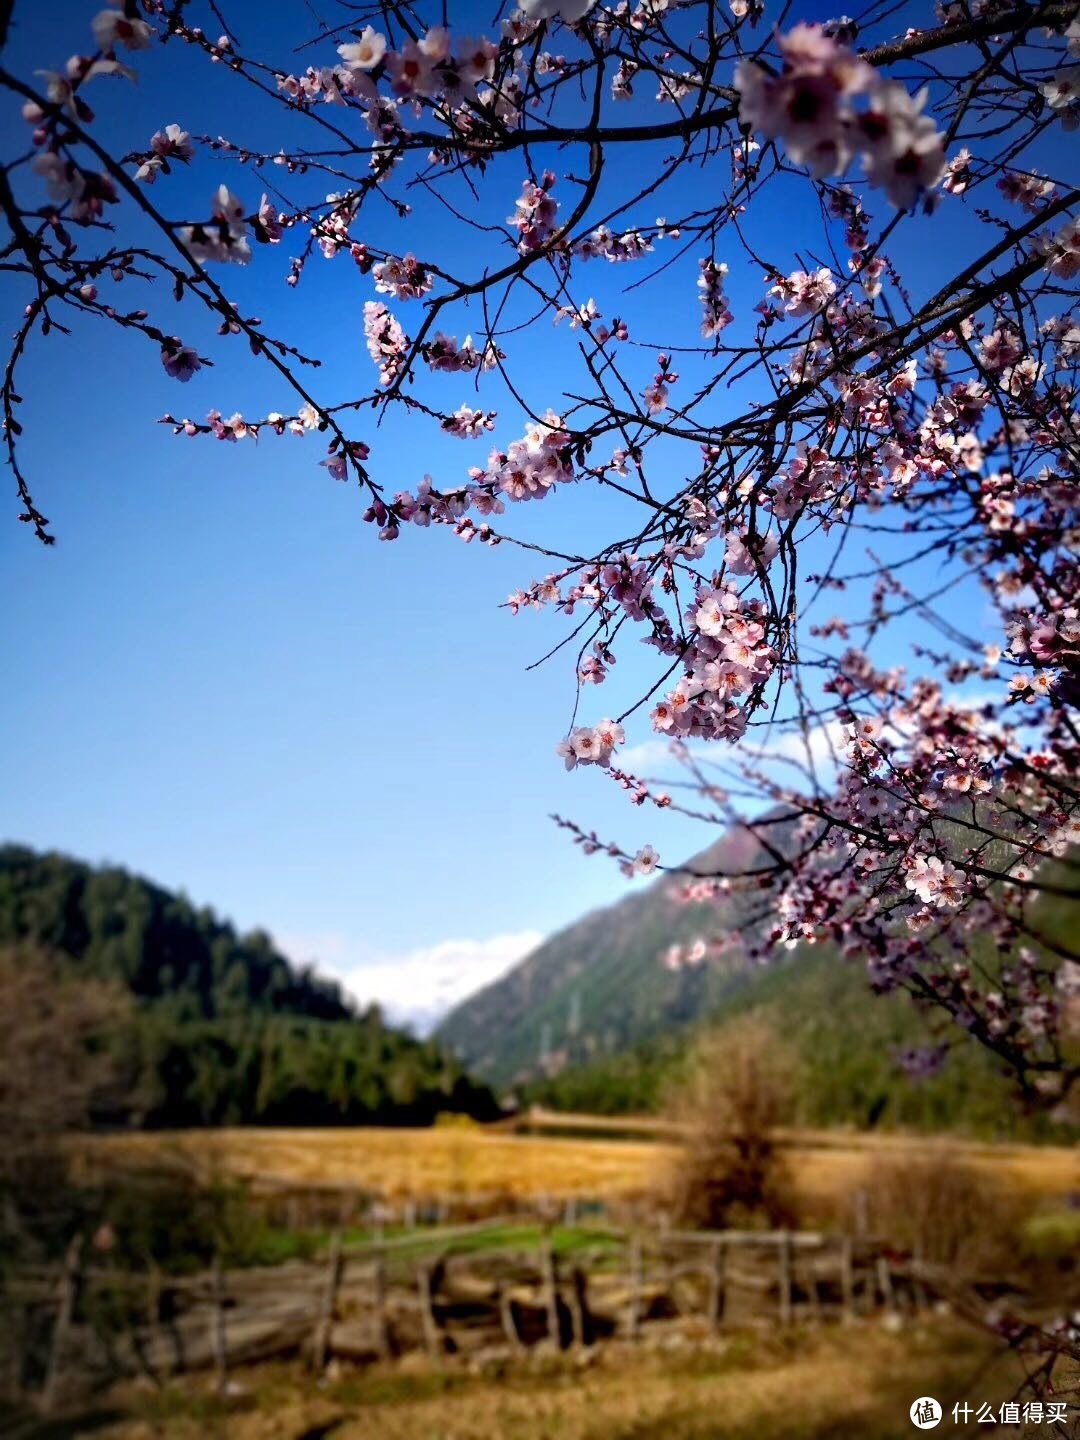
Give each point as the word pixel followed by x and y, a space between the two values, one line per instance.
pixel 506 1317
pixel 862 1217
pixel 69 1290
pixel 919 1298
pixel 325 1323
pixel 784 1248
pixel 550 1280
pixel 147 1338
pixel 633 1309
pixel 382 1326
pixel 153 1313
pixel 346 1208
pixel 432 1341
pixel 717 1284
pixel 885 1285
pixel 218 1339
pixel 578 1303
pixel 847 1278
pixel 813 1293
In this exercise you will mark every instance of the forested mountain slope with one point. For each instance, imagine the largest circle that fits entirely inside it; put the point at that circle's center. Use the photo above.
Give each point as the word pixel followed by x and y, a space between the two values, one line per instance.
pixel 597 986
pixel 211 1027
pixel 593 1021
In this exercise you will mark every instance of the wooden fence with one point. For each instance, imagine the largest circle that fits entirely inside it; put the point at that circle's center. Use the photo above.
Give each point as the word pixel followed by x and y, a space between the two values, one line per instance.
pixel 447 1293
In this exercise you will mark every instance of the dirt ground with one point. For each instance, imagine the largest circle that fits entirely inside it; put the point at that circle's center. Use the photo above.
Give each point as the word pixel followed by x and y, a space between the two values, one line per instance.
pixel 845 1384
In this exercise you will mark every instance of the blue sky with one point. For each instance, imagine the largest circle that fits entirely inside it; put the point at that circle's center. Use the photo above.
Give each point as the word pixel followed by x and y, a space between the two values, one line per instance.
pixel 219 677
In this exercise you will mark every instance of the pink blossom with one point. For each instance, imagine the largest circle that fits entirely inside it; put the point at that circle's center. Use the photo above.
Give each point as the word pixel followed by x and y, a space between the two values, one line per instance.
pixel 904 152
pixel 180 361
pixel 535 213
pixel 646 860
pixel 387 343
pixel 716 315
pixel 405 279
pixel 224 237
pixel 467 423
pixel 113 27
pixel 936 881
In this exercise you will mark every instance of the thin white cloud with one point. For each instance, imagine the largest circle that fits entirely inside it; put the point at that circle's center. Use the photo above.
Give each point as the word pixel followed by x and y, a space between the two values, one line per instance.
pixel 821 745
pixel 650 757
pixel 414 987
pixel 824 743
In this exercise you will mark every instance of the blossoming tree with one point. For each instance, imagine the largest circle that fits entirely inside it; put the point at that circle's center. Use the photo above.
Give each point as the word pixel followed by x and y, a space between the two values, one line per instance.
pixel 859 436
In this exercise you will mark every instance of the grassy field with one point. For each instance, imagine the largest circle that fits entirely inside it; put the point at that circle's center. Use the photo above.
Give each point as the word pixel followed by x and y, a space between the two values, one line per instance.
pixel 466 1160
pixel 844 1385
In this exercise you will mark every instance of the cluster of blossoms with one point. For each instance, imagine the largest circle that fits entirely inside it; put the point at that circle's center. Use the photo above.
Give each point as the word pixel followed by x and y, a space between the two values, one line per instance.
pixel 803 293
pixel 748 553
pixel 84 192
pixel 224 237
pixel 810 106
pixel 387 343
pixel 812 477
pixel 726 660
pixel 1062 250
pixel 1062 90
pixel 603 244
pixel 583 317
pixel 430 507
pixel 590 744
pixel 530 466
pixel 1028 191
pixel 716 314
pixel 445 354
pixel 172 143
pixel 656 392
pixel 405 279
pixel 431 68
pixel 535 214
pixel 467 423
pixel 934 880
pixel 339 460
pixel 526 470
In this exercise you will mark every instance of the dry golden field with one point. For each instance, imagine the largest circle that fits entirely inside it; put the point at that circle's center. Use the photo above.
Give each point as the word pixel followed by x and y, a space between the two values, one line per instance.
pixel 470 1159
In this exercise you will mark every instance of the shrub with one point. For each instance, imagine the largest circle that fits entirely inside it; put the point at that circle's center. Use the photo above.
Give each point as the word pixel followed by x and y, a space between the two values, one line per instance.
pixel 938 1207
pixel 730 1173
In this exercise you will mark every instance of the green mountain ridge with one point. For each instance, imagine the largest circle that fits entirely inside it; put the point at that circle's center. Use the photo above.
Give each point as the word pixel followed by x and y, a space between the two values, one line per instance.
pixel 593 1021
pixel 597 986
pixel 215 1027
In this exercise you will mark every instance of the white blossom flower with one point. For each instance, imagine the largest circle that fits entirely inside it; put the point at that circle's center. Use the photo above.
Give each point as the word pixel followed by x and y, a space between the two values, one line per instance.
pixel 365 53
pixel 646 861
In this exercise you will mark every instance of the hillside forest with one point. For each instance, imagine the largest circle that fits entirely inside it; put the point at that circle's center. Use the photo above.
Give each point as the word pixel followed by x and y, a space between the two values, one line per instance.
pixel 203 1026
